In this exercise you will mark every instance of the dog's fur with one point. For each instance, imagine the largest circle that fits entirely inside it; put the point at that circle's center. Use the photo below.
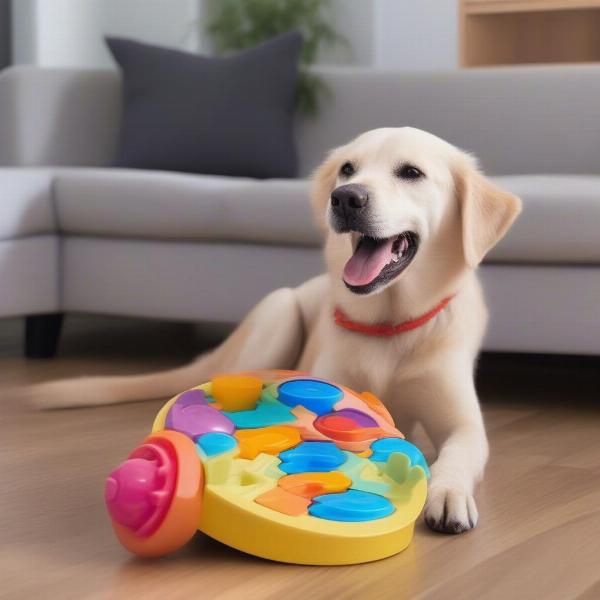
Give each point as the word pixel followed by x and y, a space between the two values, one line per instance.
pixel 424 375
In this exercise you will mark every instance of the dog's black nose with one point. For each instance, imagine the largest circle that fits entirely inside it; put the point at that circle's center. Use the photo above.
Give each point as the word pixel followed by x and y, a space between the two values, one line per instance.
pixel 349 199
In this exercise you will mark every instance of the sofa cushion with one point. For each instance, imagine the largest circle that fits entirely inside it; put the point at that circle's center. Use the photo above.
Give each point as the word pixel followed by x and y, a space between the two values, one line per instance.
pixel 558 224
pixel 30 275
pixel 174 206
pixel 198 114
pixel 25 203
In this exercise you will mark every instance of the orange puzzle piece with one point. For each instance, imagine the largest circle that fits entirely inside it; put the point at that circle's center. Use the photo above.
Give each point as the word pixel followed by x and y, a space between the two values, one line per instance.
pixel 309 485
pixel 294 493
pixel 270 440
pixel 284 502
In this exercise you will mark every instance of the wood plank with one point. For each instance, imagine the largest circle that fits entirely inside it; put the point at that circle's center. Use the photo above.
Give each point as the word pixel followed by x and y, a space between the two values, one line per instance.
pixel 530 38
pixel 539 535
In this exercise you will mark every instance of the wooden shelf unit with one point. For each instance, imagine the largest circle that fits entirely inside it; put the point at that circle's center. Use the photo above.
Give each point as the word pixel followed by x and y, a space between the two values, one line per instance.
pixel 510 32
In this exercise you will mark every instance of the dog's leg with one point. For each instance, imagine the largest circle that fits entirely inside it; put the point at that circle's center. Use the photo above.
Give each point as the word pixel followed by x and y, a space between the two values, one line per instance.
pixel 448 408
pixel 270 337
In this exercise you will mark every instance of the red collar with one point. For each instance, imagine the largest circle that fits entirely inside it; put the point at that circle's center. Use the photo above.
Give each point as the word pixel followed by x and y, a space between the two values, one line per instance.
pixel 387 329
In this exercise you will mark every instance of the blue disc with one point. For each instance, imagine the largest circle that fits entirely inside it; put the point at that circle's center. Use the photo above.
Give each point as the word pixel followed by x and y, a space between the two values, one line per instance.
pixel 317 396
pixel 215 442
pixel 311 457
pixel 352 505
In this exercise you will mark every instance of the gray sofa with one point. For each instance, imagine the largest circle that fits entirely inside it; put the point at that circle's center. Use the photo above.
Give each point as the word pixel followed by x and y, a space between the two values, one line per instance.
pixel 77 236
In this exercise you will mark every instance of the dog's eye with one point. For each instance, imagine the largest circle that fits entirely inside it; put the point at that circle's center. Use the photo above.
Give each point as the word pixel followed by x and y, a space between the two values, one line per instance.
pixel 409 172
pixel 347 169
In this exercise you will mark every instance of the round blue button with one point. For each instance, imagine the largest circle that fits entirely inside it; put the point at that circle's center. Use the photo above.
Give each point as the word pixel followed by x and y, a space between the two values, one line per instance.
pixel 311 456
pixel 317 396
pixel 215 442
pixel 351 505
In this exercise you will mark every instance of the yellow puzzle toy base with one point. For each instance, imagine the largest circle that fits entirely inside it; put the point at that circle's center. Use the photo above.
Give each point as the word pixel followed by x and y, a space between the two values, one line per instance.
pixel 277 464
pixel 285 540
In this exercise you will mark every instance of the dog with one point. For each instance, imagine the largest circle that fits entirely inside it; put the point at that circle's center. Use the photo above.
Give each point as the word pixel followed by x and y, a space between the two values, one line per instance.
pixel 407 218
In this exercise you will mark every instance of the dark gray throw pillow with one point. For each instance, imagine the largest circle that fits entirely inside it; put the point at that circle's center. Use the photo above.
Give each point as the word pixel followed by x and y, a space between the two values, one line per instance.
pixel 220 116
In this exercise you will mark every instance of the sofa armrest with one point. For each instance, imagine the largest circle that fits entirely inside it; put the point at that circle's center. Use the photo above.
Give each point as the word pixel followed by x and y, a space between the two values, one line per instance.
pixel 51 117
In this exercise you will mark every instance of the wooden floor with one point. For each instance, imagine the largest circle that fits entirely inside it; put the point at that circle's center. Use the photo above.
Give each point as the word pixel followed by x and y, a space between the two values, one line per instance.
pixel 539 535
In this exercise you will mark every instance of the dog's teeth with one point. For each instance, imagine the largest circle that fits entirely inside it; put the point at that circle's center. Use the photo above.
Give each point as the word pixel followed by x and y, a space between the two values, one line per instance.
pixel 395 258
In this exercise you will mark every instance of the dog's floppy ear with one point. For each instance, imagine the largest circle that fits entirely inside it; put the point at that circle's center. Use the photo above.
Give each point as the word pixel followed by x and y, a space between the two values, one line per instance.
pixel 323 182
pixel 487 211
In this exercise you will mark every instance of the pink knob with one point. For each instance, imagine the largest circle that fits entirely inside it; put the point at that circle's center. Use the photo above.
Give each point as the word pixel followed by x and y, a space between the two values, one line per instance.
pixel 138 492
pixel 128 492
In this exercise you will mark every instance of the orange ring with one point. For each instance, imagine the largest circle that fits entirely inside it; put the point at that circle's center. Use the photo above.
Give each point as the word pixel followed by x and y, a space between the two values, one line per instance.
pixel 182 518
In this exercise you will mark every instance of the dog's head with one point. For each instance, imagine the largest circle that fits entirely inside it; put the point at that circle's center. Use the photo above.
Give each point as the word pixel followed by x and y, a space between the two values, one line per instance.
pixel 400 204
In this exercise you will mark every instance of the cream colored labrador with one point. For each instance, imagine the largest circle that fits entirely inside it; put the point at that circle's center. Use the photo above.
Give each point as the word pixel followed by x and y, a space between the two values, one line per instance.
pixel 400 312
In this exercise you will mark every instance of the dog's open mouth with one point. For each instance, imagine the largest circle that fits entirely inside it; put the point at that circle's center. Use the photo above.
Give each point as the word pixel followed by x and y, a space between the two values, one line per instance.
pixel 378 261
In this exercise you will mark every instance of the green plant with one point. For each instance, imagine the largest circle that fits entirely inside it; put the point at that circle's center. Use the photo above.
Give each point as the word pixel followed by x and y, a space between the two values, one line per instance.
pixel 239 24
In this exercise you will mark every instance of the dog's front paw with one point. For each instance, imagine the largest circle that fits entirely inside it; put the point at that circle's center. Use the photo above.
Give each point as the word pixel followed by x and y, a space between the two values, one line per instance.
pixel 450 510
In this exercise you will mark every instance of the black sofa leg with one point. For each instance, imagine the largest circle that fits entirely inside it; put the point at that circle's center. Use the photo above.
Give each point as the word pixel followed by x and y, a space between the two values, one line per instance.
pixel 42 333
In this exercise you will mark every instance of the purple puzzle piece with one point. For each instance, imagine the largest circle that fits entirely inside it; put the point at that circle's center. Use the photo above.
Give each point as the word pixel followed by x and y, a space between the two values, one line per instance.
pixel 363 419
pixel 191 397
pixel 192 416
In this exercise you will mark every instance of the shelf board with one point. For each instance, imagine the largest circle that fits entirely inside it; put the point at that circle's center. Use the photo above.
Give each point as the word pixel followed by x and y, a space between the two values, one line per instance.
pixel 489 7
pixel 511 32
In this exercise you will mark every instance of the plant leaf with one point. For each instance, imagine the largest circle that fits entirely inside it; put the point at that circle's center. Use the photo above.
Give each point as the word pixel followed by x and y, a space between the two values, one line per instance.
pixel 240 24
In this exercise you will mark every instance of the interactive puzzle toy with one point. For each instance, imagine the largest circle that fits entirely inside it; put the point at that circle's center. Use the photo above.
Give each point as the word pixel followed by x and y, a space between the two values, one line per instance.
pixel 273 463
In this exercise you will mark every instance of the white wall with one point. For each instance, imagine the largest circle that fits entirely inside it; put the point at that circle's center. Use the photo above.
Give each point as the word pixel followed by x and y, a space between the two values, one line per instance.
pixel 355 21
pixel 416 34
pixel 70 32
pixel 406 34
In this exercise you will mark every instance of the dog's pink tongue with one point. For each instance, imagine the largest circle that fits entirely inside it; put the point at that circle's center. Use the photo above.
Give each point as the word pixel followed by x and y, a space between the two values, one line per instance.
pixel 368 261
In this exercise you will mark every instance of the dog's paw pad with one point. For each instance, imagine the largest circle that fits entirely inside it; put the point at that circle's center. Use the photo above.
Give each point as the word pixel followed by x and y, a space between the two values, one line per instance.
pixel 450 511
pixel 450 527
